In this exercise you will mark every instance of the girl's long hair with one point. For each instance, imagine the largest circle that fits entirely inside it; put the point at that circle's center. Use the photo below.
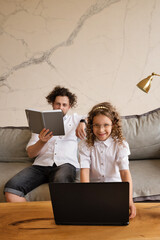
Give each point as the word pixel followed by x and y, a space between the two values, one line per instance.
pixel 109 111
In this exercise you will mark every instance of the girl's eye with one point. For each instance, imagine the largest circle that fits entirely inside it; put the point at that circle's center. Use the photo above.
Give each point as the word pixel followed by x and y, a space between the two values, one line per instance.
pixel 104 126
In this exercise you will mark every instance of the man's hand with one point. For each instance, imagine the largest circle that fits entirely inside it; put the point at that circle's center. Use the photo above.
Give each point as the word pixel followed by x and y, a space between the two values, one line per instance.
pixel 80 131
pixel 34 149
pixel 45 135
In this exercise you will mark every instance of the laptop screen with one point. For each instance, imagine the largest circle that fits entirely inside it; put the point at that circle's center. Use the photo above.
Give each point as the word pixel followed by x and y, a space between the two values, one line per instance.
pixel 90 203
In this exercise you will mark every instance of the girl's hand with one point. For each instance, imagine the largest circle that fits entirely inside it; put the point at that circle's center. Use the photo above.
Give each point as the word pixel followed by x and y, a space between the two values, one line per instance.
pixel 132 208
pixel 45 135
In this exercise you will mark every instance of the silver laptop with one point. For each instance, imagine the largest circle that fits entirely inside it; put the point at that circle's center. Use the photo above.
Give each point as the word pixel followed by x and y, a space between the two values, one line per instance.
pixel 90 203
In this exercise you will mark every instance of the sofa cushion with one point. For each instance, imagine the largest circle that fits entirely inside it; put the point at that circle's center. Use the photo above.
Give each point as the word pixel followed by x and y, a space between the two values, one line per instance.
pixel 13 141
pixel 142 132
pixel 40 193
pixel 146 179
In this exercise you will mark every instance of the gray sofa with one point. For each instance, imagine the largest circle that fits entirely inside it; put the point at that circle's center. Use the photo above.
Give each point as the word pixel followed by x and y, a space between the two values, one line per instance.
pixel 142 133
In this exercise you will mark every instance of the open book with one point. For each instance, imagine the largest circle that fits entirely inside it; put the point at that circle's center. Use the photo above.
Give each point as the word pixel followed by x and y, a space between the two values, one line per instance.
pixel 52 120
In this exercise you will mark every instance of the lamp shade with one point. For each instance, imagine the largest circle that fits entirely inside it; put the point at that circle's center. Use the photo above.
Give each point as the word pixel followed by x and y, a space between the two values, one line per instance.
pixel 145 84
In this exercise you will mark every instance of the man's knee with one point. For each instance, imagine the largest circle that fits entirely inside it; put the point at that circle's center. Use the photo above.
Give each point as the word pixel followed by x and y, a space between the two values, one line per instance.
pixel 60 178
pixel 65 173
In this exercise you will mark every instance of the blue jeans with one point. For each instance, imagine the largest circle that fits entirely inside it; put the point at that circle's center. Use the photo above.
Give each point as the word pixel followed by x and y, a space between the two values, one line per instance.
pixel 33 176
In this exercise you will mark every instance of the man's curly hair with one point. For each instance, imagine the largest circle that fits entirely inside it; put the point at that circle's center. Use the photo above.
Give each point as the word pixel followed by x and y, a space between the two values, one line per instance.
pixel 64 92
pixel 104 108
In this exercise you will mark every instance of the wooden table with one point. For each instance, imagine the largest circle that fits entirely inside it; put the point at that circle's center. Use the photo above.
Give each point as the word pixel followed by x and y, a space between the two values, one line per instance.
pixel 34 220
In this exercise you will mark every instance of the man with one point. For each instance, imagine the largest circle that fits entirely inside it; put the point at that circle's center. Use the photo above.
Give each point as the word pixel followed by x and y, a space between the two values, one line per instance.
pixel 55 156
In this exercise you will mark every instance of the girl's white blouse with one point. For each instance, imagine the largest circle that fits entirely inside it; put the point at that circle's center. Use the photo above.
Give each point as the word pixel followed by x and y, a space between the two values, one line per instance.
pixel 105 159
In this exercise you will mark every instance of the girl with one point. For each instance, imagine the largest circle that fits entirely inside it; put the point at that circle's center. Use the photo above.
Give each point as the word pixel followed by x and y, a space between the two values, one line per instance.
pixel 104 153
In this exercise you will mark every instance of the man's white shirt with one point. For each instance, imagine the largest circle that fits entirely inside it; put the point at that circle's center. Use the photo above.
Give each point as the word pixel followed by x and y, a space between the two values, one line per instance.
pixel 59 149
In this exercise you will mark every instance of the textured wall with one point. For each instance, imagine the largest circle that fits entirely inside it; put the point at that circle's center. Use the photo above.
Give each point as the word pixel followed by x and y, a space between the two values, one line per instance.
pixel 99 49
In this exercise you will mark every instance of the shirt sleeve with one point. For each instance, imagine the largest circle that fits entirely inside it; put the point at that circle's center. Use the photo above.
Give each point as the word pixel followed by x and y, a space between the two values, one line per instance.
pixel 34 138
pixel 122 156
pixel 77 118
pixel 84 155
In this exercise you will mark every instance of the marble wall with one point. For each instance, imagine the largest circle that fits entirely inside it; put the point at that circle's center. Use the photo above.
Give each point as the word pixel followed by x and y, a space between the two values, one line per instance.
pixel 99 49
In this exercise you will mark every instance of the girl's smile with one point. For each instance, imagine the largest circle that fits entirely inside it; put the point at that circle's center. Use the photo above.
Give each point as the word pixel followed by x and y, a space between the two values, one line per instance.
pixel 102 127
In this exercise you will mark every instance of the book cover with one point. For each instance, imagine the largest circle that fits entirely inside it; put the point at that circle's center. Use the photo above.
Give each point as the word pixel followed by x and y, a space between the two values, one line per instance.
pixel 52 120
